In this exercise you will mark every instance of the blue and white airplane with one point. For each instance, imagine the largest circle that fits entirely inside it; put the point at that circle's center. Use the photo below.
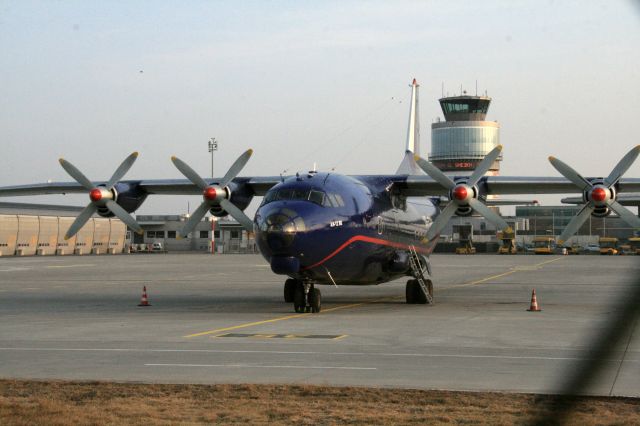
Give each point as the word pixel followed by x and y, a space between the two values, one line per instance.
pixel 326 228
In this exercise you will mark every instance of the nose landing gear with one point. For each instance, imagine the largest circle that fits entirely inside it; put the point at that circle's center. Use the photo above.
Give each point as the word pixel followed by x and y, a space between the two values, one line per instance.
pixel 305 297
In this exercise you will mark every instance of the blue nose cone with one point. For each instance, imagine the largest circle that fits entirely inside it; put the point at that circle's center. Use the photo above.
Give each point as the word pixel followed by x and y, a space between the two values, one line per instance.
pixel 285 265
pixel 277 229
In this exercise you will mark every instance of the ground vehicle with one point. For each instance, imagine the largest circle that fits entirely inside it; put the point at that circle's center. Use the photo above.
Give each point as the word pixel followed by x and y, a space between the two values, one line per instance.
pixel 544 245
pixel 608 245
pixel 156 247
pixel 592 248
pixel 508 241
pixel 467 248
pixel 466 239
pixel 625 249
pixel 574 249
pixel 634 242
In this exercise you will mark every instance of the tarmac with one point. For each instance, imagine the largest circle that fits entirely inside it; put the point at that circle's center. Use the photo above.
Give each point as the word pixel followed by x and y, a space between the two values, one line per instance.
pixel 222 319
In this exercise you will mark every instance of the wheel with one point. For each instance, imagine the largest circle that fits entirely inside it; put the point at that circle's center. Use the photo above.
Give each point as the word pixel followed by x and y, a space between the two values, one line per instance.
pixel 419 295
pixel 410 291
pixel 415 294
pixel 430 290
pixel 315 300
pixel 289 290
pixel 298 300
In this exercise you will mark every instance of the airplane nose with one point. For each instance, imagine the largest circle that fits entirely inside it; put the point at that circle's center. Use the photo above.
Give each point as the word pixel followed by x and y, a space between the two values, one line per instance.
pixel 279 229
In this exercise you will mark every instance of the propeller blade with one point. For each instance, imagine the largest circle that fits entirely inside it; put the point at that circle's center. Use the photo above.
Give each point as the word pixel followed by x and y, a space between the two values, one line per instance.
pixel 237 214
pixel 442 220
pixel 568 172
pixel 489 214
pixel 484 165
pixel 434 173
pixel 625 214
pixel 195 218
pixel 82 218
pixel 235 168
pixel 189 173
pixel 124 216
pixel 622 166
pixel 575 223
pixel 122 170
pixel 76 174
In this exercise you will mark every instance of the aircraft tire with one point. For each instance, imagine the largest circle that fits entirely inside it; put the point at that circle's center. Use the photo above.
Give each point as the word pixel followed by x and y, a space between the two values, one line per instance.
pixel 290 290
pixel 410 291
pixel 419 297
pixel 298 300
pixel 315 300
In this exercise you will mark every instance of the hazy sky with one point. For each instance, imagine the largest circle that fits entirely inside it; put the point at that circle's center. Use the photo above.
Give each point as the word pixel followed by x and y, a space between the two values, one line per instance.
pixel 304 82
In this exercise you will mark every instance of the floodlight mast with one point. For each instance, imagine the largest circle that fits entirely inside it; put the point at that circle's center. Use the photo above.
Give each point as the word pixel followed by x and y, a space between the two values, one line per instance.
pixel 213 146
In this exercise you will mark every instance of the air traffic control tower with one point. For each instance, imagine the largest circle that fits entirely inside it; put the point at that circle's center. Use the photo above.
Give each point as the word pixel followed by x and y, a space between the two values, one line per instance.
pixel 460 142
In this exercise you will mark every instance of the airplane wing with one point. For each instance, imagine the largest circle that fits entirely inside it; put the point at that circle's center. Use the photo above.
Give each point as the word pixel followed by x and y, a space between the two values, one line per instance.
pixel 624 199
pixel 228 195
pixel 231 194
pixel 258 186
pixel 419 185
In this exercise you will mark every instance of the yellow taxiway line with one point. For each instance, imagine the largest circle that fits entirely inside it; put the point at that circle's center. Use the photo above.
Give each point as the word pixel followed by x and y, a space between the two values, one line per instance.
pixel 251 324
pixel 504 274
pixel 354 305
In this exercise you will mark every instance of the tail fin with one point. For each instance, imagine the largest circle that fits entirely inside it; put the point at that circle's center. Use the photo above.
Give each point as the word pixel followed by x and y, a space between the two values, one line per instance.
pixel 408 165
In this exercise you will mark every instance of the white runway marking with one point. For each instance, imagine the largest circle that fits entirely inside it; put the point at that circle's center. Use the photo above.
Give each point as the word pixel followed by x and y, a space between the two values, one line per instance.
pixel 301 367
pixel 14 269
pixel 371 354
pixel 71 266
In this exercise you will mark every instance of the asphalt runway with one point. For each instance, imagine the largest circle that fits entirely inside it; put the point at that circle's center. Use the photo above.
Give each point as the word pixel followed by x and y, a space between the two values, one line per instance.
pixel 222 319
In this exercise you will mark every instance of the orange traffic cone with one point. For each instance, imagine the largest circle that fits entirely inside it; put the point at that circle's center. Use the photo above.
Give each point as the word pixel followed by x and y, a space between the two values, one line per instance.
pixel 534 303
pixel 144 301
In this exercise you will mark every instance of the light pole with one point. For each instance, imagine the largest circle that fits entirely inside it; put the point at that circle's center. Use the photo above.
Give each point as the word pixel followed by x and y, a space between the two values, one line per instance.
pixel 213 146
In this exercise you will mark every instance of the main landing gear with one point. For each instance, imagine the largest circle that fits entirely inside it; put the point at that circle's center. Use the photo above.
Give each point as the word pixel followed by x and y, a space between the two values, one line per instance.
pixel 415 294
pixel 304 295
pixel 420 289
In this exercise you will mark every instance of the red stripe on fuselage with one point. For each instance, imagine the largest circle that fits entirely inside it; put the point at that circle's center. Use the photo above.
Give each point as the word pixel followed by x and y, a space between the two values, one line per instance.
pixel 366 240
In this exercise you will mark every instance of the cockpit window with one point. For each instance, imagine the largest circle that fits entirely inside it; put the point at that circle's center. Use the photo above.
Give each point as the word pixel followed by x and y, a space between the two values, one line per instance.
pixel 269 197
pixel 316 196
pixel 333 200
pixel 313 195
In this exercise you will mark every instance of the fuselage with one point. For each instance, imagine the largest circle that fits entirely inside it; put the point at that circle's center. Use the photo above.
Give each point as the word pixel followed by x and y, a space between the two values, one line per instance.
pixel 330 228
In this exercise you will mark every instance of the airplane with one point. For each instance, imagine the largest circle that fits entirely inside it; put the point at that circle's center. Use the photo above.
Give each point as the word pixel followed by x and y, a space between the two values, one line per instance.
pixel 325 228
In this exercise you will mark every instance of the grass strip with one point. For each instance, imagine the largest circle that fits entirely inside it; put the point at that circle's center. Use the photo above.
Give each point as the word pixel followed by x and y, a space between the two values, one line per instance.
pixel 26 402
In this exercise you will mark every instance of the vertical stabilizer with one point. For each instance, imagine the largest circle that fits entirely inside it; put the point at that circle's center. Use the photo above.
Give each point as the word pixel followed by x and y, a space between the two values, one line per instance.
pixel 413 132
pixel 408 165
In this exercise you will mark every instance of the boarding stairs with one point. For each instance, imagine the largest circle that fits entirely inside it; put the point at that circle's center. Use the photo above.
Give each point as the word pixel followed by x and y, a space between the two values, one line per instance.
pixel 418 270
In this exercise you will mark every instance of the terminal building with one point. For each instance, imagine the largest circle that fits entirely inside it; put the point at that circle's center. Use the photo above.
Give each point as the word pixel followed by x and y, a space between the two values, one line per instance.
pixel 30 229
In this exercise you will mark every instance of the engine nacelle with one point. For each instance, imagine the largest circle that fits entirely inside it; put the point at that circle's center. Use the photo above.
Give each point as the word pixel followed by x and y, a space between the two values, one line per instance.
pixel 128 195
pixel 464 211
pixel 601 211
pixel 238 194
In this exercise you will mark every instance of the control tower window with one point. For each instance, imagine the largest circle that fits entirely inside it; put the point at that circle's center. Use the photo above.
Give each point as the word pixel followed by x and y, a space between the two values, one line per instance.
pixel 466 106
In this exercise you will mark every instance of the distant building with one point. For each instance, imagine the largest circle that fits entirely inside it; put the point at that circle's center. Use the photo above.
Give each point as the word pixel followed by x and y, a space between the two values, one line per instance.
pixel 39 229
pixel 552 220
pixel 229 236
